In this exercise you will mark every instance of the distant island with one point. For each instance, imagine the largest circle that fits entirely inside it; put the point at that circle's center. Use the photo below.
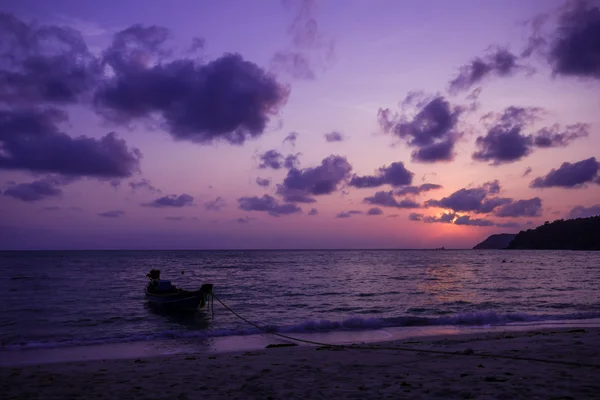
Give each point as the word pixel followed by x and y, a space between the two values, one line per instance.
pixel 571 234
pixel 496 242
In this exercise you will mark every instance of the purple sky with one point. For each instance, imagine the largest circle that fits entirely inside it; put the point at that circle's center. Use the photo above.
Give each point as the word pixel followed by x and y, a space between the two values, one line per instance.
pixel 294 124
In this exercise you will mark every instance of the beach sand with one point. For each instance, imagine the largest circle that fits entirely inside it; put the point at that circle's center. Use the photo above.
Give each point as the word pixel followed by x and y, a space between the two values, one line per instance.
pixel 311 372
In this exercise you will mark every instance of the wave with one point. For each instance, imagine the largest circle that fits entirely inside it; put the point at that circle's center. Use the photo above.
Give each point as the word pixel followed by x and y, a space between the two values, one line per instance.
pixel 315 326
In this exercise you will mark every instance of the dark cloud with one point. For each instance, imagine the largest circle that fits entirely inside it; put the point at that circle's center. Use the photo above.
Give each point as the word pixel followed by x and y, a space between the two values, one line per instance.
pixel 275 160
pixel 291 137
pixel 267 204
pixel 31 141
pixel 301 184
pixel 226 99
pixel 348 214
pixel 573 46
pixel 313 211
pixel 387 199
pixel 417 190
pixel 570 175
pixel 505 141
pixel 171 201
pixel 445 218
pixel 432 129
pixel 584 212
pixel 395 175
pixel 34 191
pixel 334 137
pixel 415 217
pixel 263 182
pixel 215 205
pixel 308 49
pixel 244 220
pixel 521 208
pixel 499 62
pixel 466 220
pixel 527 172
pixel 375 211
pixel 43 64
pixel 143 184
pixel 508 225
pixel 475 199
pixel 112 214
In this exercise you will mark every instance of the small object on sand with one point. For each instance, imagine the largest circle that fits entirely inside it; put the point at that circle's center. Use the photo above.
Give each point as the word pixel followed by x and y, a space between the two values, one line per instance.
pixel 503 261
pixel 270 346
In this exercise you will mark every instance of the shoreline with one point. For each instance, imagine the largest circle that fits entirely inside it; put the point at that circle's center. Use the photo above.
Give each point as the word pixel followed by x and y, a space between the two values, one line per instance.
pixel 320 372
pixel 255 342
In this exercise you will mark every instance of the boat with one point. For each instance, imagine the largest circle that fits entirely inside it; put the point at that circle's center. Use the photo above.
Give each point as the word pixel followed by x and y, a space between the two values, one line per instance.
pixel 161 292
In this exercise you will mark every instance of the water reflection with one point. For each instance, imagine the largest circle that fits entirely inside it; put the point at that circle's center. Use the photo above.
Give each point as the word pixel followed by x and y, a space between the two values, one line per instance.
pixel 189 319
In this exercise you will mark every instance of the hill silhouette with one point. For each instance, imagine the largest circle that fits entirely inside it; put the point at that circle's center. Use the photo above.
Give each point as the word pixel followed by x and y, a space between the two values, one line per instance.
pixel 495 242
pixel 571 234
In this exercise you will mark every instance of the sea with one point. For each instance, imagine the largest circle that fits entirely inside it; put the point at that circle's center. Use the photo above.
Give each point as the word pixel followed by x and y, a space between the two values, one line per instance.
pixel 57 301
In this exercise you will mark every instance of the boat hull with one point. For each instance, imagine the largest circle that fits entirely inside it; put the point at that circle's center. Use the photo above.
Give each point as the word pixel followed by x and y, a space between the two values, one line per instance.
pixel 182 301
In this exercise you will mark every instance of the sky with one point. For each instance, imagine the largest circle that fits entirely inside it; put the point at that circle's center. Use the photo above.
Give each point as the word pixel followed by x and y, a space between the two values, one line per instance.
pixel 294 124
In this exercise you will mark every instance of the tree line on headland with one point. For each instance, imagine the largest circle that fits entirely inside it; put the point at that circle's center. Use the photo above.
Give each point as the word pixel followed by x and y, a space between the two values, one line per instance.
pixel 571 234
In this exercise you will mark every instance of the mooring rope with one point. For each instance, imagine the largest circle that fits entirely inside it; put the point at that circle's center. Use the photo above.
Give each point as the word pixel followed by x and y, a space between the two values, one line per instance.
pixel 394 348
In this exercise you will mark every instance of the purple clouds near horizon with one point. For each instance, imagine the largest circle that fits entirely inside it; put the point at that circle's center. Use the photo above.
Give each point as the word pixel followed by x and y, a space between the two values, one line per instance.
pixel 264 182
pixel 432 130
pixel 300 185
pixel 395 174
pixel 334 137
pixel 267 204
pixel 35 191
pixel 171 201
pixel 417 190
pixel 112 214
pixel 584 212
pixel 570 175
pixel 505 141
pixel 479 201
pixel 215 205
pixel 387 199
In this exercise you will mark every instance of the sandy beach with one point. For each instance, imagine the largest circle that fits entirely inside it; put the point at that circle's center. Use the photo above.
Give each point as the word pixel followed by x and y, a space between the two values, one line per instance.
pixel 312 372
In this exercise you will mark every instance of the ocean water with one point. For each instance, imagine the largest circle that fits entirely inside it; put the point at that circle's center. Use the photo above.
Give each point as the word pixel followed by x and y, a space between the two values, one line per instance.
pixel 66 299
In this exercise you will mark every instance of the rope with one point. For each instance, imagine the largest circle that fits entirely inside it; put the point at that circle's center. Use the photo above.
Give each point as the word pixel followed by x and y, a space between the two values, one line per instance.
pixel 442 352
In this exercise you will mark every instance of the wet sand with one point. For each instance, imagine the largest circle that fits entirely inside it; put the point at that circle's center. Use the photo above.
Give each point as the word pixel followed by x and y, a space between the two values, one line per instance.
pixel 312 372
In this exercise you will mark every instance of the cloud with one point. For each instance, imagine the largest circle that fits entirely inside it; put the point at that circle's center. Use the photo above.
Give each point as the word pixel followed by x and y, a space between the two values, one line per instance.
pixel 386 199
pixel 499 62
pixel 395 175
pixel 112 214
pixel 215 205
pixel 313 211
pixel 171 201
pixel 334 137
pixel 417 190
pixel 301 184
pixel 46 64
pixel 572 47
pixel 474 199
pixel 244 220
pixel 267 204
pixel 505 141
pixel 348 214
pixel 34 191
pixel 291 137
pixel 584 212
pixel 308 49
pixel 275 160
pixel 432 129
pixel 31 141
pixel 228 99
pixel 569 175
pixel 143 184
pixel 527 171
pixel 466 220
pixel 263 182
pixel 508 225
pixel 375 211
pixel 521 208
